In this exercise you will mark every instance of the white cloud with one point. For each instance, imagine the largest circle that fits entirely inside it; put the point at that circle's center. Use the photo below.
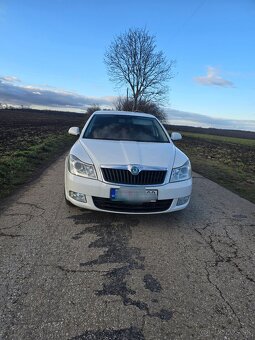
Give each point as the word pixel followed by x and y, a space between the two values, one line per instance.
pixel 15 93
pixel 9 79
pixel 213 78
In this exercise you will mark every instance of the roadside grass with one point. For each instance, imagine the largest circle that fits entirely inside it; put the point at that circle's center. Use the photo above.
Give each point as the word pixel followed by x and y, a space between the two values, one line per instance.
pixel 29 141
pixel 223 139
pixel 17 166
pixel 227 161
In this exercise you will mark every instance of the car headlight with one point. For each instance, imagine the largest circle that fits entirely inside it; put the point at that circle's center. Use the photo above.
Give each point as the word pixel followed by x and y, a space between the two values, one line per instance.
pixel 182 173
pixel 79 168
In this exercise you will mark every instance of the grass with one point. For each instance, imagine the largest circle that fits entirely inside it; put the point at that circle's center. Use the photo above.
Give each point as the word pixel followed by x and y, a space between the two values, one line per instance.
pixel 29 141
pixel 223 139
pixel 17 166
pixel 227 161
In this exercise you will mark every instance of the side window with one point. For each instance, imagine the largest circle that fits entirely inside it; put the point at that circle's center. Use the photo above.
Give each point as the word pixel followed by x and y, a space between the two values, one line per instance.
pixel 88 132
pixel 155 131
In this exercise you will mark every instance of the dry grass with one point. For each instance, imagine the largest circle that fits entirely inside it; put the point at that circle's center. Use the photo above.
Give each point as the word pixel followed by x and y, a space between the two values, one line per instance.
pixel 225 160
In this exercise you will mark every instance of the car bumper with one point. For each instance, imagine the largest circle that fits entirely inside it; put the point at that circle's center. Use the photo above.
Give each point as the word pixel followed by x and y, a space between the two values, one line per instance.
pixel 98 196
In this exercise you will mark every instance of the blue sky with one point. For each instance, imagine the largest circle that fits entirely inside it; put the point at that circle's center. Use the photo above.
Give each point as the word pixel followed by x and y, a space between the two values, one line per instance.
pixel 52 54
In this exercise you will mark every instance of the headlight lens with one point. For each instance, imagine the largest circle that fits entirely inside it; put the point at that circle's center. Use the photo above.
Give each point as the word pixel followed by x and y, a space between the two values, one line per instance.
pixel 182 173
pixel 79 168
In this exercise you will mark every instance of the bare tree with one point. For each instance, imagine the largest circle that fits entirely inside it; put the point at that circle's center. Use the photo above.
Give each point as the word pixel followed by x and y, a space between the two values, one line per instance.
pixel 125 104
pixel 132 61
pixel 92 109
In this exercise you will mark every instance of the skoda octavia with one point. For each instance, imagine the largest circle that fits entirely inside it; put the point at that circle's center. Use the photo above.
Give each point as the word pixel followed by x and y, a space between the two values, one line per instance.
pixel 125 162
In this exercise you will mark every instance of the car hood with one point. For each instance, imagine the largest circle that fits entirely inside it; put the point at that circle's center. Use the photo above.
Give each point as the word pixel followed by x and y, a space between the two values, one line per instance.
pixel 104 152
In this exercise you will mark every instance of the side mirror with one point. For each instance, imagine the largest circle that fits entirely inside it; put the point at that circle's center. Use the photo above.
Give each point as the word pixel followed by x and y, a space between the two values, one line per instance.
pixel 75 131
pixel 176 136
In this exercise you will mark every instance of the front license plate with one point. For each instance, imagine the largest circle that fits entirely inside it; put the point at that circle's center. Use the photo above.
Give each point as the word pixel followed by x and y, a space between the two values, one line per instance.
pixel 134 195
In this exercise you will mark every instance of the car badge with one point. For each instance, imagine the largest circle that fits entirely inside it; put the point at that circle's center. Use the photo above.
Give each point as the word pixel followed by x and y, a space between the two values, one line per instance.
pixel 134 170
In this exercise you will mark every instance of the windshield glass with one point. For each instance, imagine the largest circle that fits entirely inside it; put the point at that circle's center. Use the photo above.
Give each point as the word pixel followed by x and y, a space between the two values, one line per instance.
pixel 125 127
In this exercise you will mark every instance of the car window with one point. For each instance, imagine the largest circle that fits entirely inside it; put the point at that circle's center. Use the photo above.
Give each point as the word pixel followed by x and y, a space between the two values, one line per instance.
pixel 130 128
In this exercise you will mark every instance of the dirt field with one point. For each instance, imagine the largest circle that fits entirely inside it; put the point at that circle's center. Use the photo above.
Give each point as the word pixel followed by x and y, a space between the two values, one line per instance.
pixel 20 129
pixel 225 160
pixel 212 131
pixel 30 139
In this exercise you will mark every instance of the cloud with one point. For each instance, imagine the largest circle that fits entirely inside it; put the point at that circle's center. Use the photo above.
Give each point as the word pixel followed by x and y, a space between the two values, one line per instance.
pixel 213 79
pixel 177 117
pixel 15 93
pixel 9 79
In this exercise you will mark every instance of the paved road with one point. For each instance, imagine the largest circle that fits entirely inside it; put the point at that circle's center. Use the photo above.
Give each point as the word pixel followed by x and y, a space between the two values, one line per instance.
pixel 67 273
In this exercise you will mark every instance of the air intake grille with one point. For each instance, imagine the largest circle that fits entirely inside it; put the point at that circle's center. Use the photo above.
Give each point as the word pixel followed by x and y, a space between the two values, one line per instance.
pixel 145 177
pixel 148 207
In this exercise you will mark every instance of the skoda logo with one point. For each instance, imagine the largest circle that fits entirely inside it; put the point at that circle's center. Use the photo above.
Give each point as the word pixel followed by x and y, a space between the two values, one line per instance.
pixel 135 170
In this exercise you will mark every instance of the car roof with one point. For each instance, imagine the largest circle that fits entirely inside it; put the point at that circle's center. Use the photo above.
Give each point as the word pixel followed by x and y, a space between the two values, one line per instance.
pixel 124 113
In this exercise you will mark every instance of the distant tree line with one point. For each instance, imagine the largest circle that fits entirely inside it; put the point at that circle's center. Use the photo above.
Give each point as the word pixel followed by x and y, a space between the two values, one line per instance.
pixel 126 104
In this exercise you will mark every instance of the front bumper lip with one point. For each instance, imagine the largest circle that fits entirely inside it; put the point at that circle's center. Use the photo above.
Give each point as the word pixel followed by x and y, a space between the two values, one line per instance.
pixel 96 188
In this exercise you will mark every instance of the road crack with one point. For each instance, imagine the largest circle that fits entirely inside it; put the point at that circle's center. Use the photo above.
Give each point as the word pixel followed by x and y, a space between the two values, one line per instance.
pixel 230 259
pixel 228 253
pixel 33 205
pixel 9 235
pixel 29 216
pixel 222 297
pixel 67 270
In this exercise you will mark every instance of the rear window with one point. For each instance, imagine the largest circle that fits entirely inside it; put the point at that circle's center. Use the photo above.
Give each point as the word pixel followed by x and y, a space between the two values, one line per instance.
pixel 125 127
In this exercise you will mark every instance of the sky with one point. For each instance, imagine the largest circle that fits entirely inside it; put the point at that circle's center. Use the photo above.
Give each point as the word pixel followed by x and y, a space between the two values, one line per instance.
pixel 52 53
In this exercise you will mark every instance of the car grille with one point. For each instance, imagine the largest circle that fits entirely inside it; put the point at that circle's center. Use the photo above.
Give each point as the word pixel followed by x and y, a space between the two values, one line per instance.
pixel 145 177
pixel 108 204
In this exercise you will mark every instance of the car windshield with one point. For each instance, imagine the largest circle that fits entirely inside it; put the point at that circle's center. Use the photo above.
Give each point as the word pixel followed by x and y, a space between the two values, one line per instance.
pixel 125 127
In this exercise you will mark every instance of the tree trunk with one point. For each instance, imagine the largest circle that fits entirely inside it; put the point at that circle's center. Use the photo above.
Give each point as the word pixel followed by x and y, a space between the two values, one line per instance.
pixel 135 103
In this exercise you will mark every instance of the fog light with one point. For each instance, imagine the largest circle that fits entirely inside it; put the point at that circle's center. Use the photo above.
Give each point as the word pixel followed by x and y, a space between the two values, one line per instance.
pixel 182 200
pixel 78 196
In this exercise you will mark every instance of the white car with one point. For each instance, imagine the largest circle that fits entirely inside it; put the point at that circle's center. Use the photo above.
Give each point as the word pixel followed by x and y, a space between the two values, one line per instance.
pixel 125 162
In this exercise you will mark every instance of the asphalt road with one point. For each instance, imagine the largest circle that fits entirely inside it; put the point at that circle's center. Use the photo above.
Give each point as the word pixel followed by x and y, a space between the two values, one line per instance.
pixel 67 273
